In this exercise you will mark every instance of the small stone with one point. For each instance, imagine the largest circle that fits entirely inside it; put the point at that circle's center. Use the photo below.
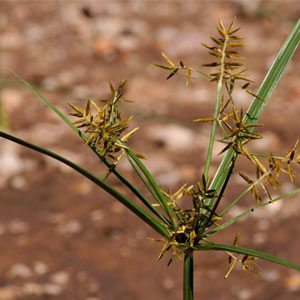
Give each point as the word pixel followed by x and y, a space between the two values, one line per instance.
pixel 137 27
pixel 117 208
pixel 128 43
pixel 9 293
pixel 269 142
pixel 292 282
pixel 268 211
pixel 40 268
pixel 66 78
pixel 115 234
pixel 241 97
pixel 140 234
pixel 81 91
pixel 12 40
pixel 33 288
pixel 168 283
pixel 175 137
pixel 259 238
pixel 20 270
pixel 55 218
pixel 169 178
pixel 244 295
pixel 97 215
pixel 69 227
pixel 61 278
pixel 50 83
pixel 186 43
pixel 93 287
pixel 249 8
pixel 200 95
pixel 46 134
pixel 158 164
pixel 52 289
pixel 17 226
pixel 10 161
pixel 109 26
pixel 166 34
pixel 105 47
pixel 286 187
pixel 34 33
pixel 270 275
pixel 263 224
pixel 235 211
pixel 11 99
pixel 18 182
pixel 188 173
pixel 82 187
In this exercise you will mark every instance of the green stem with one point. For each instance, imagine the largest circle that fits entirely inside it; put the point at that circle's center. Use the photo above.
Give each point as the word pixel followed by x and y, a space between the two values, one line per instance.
pixel 216 114
pixel 212 213
pixel 188 275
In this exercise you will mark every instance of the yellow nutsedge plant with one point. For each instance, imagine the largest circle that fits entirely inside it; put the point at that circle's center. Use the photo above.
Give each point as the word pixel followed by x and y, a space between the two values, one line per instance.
pixel 185 229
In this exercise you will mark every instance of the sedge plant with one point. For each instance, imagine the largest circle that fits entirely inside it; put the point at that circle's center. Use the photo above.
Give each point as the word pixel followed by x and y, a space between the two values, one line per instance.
pixel 186 230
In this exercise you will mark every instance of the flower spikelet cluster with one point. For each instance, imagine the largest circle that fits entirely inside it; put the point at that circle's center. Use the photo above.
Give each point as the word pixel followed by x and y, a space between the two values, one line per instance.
pixel 104 124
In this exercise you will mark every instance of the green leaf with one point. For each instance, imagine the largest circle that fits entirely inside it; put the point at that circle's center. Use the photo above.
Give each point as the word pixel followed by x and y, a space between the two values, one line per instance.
pixel 237 199
pixel 147 218
pixel 82 135
pixel 246 251
pixel 160 197
pixel 249 211
pixel 147 185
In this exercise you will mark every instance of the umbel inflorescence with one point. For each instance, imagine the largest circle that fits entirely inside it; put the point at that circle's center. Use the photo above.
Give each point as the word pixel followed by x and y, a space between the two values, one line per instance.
pixel 189 227
pixel 186 219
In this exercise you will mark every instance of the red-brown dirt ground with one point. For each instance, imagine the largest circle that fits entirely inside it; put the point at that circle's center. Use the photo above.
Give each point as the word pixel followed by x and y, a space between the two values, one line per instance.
pixel 63 238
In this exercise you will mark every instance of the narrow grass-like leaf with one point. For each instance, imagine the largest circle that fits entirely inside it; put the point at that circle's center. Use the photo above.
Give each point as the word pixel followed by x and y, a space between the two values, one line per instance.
pixel 265 91
pixel 250 252
pixel 84 137
pixel 249 211
pixel 237 199
pixel 147 218
pixel 147 185
pixel 161 198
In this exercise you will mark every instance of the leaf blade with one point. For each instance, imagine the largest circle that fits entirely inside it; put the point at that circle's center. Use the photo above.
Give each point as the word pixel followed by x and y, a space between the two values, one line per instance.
pixel 246 251
pixel 116 194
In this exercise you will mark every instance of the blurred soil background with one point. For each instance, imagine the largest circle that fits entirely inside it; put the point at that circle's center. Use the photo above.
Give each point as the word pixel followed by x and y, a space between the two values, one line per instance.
pixel 63 238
